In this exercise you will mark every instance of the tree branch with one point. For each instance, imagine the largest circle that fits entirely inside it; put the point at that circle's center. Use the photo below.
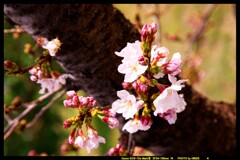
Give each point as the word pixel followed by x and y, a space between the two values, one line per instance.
pixel 201 28
pixel 45 108
pixel 30 106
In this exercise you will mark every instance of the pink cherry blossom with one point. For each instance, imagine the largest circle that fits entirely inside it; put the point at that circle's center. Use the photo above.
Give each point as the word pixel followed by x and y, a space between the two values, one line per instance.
pixel 93 139
pixel 159 58
pixel 130 65
pixel 172 67
pixel 148 31
pixel 71 137
pixel 111 121
pixel 127 104
pixel 80 140
pixel 134 125
pixel 169 98
pixel 71 100
pixel 52 84
pixel 52 46
pixel 170 115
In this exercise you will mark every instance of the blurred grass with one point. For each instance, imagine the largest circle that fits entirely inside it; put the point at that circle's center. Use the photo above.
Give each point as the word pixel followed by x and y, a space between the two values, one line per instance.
pixel 218 50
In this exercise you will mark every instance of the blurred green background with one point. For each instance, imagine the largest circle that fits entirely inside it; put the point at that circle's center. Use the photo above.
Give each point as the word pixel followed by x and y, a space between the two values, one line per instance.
pixel 214 73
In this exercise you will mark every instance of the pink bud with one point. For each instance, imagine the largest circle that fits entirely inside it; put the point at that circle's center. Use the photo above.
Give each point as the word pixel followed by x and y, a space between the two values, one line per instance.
pixel 8 64
pixel 40 74
pixel 153 27
pixel 32 153
pixel 71 93
pixel 127 85
pixel 112 152
pixel 71 137
pixel 33 71
pixel 121 150
pixel 33 78
pixel 118 146
pixel 111 121
pixel 67 123
pixel 142 60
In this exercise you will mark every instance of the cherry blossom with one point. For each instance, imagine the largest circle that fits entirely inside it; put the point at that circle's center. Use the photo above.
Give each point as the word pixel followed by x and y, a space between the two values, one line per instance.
pixel 93 139
pixel 159 58
pixel 127 104
pixel 134 125
pixel 52 84
pixel 172 67
pixel 130 64
pixel 80 140
pixel 169 98
pixel 52 46
pixel 148 32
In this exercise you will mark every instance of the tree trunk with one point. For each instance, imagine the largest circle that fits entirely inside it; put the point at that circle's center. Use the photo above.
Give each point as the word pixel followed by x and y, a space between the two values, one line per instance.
pixel 90 35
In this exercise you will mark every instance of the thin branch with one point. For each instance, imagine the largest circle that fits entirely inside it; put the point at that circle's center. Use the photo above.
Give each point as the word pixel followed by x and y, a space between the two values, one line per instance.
pixel 14 30
pixel 131 144
pixel 30 106
pixel 7 117
pixel 40 113
pixel 11 129
pixel 202 27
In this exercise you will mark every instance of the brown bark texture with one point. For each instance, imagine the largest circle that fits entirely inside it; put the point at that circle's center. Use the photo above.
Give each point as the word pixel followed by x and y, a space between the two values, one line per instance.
pixel 90 34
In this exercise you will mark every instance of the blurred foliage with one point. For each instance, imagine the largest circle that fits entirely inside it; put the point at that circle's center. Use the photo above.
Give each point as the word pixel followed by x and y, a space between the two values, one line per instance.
pixel 215 53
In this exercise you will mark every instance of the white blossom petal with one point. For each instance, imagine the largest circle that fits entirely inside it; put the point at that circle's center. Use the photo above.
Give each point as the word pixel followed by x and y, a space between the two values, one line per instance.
pixel 127 104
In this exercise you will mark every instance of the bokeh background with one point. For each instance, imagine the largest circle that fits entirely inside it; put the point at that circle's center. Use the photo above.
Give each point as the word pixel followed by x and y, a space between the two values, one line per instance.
pixel 210 66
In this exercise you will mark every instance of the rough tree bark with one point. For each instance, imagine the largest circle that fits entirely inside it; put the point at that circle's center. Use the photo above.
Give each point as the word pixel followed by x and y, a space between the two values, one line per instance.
pixel 90 35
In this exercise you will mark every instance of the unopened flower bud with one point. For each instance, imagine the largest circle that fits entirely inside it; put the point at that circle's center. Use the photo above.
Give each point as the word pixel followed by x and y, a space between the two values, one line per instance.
pixel 33 78
pixel 142 60
pixel 121 150
pixel 32 153
pixel 153 27
pixel 112 152
pixel 8 64
pixel 67 123
pixel 127 85
pixel 111 121
pixel 71 137
pixel 33 71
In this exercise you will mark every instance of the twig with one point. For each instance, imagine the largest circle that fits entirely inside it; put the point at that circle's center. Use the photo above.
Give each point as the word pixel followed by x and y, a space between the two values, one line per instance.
pixel 40 113
pixel 14 30
pixel 201 28
pixel 30 106
pixel 129 146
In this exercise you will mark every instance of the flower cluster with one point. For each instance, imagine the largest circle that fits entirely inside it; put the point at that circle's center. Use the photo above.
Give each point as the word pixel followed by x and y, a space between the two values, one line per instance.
pixel 88 109
pixel 50 81
pixel 41 72
pixel 145 66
